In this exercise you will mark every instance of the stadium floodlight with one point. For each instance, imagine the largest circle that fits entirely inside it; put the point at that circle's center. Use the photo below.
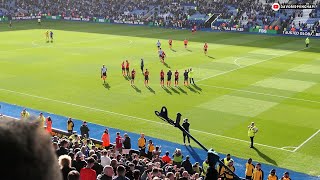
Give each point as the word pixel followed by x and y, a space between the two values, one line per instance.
pixel 212 156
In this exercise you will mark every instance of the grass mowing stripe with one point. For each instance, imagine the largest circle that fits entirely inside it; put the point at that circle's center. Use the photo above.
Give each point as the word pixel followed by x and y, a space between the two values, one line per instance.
pixel 133 117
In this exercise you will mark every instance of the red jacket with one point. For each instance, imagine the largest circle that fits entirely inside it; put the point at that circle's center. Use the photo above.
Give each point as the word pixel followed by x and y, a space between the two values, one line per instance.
pixel 87 174
pixel 118 142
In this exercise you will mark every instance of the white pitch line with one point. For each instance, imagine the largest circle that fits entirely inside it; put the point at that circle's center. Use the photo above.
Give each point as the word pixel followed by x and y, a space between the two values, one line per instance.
pixel 225 72
pixel 306 141
pixel 133 117
pixel 265 94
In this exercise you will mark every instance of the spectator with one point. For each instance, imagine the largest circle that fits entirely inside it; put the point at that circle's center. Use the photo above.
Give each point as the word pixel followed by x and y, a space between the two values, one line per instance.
pixel 136 175
pixel 41 119
pixel 105 159
pixel 63 150
pixel 170 176
pixel 272 175
pixel 257 172
pixel 157 151
pixel 249 169
pixel 129 172
pixel 142 145
pixel 185 176
pixel 286 176
pixel 196 168
pixel 121 171
pixel 84 130
pixel 205 166
pixel 186 126
pixel 49 125
pixel 70 125
pixel 177 158
pixel 166 158
pixel 24 115
pixel 187 165
pixel 118 147
pixel 150 149
pixel 87 173
pixel 32 154
pixel 106 139
pixel 65 166
pixel 73 175
pixel 225 173
pixel 107 173
pixel 126 144
pixel 97 167
pixel 79 163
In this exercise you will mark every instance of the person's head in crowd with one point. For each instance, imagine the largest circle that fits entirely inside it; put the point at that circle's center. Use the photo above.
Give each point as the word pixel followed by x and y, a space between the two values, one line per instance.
pixel 142 135
pixel 131 166
pixel 91 152
pixel 76 150
pixel 74 175
pixel 108 171
pixel 167 153
pixel 249 160
pixel 170 176
pixel 228 157
pixel 64 161
pixel 79 156
pixel 185 174
pixel 155 171
pixel 95 157
pixel 230 164
pixel 114 163
pixel 71 155
pixel 64 143
pixel 121 171
pixel 33 158
pixel 136 174
pixel 90 162
pixel 258 166
pixel 286 175
pixel 55 146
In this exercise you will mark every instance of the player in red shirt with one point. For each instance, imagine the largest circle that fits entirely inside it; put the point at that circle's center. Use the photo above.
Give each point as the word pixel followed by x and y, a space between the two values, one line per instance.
pixel 194 29
pixel 170 43
pixel 185 42
pixel 176 78
pixel 163 55
pixel 161 78
pixel 118 142
pixel 123 69
pixel 146 77
pixel 127 67
pixel 205 48
pixel 133 75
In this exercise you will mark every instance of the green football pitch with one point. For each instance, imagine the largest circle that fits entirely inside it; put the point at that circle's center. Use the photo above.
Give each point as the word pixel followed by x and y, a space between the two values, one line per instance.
pixel 271 80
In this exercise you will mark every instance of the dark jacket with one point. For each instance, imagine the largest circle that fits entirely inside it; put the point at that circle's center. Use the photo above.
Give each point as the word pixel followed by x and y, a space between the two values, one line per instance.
pixel 98 168
pixel 104 177
pixel 79 165
pixel 65 171
pixel 62 151
pixel 84 130
pixel 186 126
pixel 187 166
pixel 127 143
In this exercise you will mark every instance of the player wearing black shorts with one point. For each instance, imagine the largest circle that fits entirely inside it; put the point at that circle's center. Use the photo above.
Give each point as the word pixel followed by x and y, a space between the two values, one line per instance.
pixel 161 78
pixel 146 77
pixel 176 78
pixel 169 74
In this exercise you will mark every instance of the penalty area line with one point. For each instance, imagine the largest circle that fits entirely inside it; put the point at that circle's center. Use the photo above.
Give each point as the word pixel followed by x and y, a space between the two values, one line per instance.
pixel 313 135
pixel 135 118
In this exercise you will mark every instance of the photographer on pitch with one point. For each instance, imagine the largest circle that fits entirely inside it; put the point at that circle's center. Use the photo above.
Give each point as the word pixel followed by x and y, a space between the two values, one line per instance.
pixel 186 126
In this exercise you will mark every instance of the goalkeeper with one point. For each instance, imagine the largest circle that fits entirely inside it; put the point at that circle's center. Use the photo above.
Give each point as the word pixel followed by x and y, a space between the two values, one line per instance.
pixel 252 130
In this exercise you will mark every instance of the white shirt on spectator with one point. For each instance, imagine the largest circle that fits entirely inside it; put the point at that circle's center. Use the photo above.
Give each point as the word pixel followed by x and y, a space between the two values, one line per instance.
pixel 105 160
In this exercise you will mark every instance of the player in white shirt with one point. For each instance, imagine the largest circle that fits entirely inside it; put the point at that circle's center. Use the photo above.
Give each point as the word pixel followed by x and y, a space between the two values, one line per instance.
pixel 160 52
pixel 159 44
pixel 104 73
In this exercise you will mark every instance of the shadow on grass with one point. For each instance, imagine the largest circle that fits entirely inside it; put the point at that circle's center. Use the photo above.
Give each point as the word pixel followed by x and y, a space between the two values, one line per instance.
pixel 106 85
pixel 192 90
pixel 210 57
pixel 173 50
pixel 196 87
pixel 189 50
pixel 265 157
pixel 135 88
pixel 166 64
pixel 151 90
pixel 167 90
pixel 174 90
pixel 183 91
pixel 126 78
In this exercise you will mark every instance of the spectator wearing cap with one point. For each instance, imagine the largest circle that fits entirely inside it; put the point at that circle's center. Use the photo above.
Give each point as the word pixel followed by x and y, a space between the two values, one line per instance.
pixel 105 159
pixel 63 148
pixel 126 144
pixel 285 176
pixel 142 141
pixel 70 125
pixel 177 158
pixel 84 130
pixel 118 147
pixel 226 173
pixel 106 139
pixel 107 173
pixel 79 163
pixel 87 173
pixel 65 166
pixel 257 172
pixel 97 166
pixel 249 169
pixel 73 175
pixel 166 158
pixel 187 165
pixel 272 175
pixel 150 149
pixel 121 171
